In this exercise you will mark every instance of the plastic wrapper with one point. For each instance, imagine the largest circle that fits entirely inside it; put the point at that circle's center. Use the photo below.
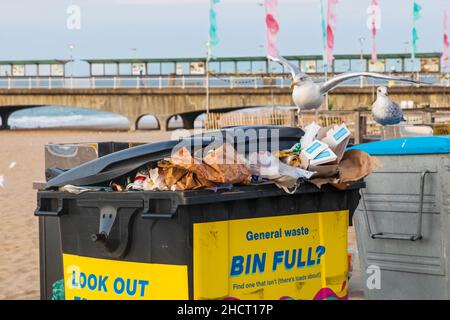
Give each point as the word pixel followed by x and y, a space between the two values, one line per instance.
pixel 289 157
pixel 156 180
pixel 140 180
pixel 268 167
pixel 81 189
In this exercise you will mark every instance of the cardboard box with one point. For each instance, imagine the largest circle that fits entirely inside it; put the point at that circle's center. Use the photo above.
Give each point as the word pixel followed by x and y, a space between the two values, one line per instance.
pixel 326 156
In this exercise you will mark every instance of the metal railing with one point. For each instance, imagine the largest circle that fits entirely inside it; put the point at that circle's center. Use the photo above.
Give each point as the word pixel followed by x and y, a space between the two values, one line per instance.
pixel 360 122
pixel 186 82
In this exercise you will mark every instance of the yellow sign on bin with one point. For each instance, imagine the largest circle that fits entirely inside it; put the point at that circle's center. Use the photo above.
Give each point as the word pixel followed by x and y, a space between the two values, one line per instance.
pixel 302 256
pixel 99 279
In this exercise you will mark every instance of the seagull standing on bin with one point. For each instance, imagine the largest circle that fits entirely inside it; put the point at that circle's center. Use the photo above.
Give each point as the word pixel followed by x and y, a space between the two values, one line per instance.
pixel 310 95
pixel 385 111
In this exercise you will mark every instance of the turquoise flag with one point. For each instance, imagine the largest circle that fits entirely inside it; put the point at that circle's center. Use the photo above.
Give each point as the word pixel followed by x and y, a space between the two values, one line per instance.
pixel 416 16
pixel 213 37
pixel 416 11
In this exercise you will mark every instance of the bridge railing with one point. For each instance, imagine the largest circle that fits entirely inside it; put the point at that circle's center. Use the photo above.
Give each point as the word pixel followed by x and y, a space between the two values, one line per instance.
pixel 359 122
pixel 186 82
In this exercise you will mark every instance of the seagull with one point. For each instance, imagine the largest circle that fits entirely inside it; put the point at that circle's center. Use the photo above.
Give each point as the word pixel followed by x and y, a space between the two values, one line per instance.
pixel 385 111
pixel 310 95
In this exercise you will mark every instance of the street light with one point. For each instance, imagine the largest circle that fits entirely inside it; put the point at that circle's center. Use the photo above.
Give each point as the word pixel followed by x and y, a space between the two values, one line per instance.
pixel 134 50
pixel 361 43
pixel 71 47
pixel 208 59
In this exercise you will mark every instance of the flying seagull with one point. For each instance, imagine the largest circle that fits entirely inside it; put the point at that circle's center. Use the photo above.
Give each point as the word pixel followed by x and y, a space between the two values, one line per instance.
pixel 310 95
pixel 385 111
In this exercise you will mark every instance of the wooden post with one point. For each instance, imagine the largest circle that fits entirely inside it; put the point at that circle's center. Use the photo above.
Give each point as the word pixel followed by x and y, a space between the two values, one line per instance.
pixel 427 116
pixel 360 126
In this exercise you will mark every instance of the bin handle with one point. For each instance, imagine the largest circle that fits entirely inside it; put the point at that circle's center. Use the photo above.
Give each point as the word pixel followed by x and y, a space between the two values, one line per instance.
pixel 38 212
pixel 394 236
pixel 147 214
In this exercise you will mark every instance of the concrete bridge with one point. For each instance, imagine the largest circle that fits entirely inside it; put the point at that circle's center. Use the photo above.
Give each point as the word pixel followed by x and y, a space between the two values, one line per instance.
pixel 164 103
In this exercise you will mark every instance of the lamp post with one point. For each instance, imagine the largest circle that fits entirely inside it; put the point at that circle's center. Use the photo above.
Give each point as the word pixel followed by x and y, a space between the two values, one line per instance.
pixel 361 43
pixel 71 47
pixel 208 58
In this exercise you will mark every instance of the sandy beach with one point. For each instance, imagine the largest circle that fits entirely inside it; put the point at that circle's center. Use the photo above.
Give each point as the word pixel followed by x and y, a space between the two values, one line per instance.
pixel 21 162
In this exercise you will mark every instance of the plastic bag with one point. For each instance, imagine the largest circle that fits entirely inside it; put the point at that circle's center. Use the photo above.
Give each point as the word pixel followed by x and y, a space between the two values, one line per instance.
pixel 268 167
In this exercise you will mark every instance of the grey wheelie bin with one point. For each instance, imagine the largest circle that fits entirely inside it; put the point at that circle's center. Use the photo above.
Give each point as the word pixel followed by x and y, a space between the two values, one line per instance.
pixel 402 222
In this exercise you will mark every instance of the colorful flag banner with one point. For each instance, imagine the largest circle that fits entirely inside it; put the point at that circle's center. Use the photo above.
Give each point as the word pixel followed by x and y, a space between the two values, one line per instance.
pixel 272 27
pixel 331 29
pixel 375 13
pixel 213 37
pixel 416 16
pixel 324 30
pixel 445 53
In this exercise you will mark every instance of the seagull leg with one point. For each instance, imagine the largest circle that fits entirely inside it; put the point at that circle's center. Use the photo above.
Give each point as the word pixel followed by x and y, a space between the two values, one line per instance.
pixel 316 116
pixel 299 118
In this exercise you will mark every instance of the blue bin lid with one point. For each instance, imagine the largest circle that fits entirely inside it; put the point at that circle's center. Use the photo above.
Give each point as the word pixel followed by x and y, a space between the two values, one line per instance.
pixel 406 146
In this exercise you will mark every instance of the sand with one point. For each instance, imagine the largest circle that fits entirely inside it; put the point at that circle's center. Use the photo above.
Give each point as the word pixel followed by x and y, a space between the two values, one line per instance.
pixel 19 240
pixel 21 162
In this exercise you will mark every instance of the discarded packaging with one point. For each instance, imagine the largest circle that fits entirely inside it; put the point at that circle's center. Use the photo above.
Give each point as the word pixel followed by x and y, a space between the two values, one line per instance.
pixel 139 181
pixel 79 190
pixel 337 138
pixel 322 160
pixel 324 171
pixel 355 165
pixel 311 132
pixel 156 180
pixel 325 156
pixel 313 149
pixel 269 168
pixel 220 166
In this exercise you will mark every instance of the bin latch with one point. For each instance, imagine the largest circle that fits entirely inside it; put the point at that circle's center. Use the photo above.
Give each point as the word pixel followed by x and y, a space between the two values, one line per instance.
pixel 392 236
pixel 107 217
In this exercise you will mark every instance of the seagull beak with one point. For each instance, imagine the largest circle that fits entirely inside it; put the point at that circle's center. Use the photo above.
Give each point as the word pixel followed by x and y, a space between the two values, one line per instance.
pixel 293 84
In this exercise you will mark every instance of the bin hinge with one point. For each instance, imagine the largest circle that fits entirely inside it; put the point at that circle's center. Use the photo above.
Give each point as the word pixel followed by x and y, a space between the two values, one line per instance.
pixel 107 217
pixel 395 236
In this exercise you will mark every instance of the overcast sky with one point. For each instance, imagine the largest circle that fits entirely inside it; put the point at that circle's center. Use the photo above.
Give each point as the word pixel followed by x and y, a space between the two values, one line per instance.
pixel 37 29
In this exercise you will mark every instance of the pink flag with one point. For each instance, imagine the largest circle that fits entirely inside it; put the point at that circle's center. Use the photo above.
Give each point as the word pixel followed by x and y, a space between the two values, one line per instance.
pixel 375 12
pixel 331 29
pixel 272 27
pixel 445 54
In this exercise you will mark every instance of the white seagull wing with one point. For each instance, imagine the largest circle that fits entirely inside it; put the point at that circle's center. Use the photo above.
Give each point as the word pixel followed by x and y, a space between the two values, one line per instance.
pixel 337 80
pixel 293 69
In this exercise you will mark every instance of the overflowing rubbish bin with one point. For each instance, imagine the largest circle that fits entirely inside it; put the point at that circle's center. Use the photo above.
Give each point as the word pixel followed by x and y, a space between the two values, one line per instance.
pixel 152 240
pixel 402 222
pixel 60 157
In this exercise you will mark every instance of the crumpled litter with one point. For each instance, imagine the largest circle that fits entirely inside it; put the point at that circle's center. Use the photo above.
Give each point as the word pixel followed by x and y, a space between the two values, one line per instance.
pixel 79 190
pixel 148 179
pixel 223 167
pixel 140 181
pixel 268 167
pixel 289 157
pixel 354 166
pixel 220 166
pixel 156 180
